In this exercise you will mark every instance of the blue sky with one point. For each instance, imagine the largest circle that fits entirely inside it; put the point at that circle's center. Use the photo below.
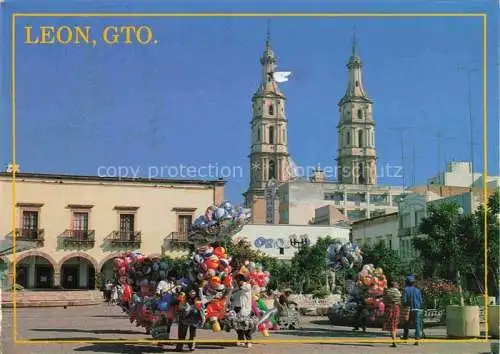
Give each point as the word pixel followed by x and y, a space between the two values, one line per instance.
pixel 187 99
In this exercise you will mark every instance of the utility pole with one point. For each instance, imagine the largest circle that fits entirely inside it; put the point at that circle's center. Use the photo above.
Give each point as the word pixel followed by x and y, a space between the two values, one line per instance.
pixel 414 169
pixel 471 126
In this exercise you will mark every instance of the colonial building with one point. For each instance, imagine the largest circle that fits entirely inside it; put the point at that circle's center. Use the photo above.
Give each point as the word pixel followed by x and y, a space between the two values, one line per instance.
pixel 78 224
pixel 269 157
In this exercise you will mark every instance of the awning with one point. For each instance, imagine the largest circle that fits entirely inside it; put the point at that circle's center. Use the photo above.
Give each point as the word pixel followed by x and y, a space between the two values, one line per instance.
pixel 7 247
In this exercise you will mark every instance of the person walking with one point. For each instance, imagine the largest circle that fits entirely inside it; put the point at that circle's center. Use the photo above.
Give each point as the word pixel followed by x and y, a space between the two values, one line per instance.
pixel 166 319
pixel 191 316
pixel 114 294
pixel 241 301
pixel 413 299
pixel 392 301
pixel 361 317
pixel 108 288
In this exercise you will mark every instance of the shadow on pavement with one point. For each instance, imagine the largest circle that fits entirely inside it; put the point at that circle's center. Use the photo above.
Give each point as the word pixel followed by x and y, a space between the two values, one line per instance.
pixel 56 340
pixel 97 331
pixel 136 349
pixel 110 316
pixel 323 332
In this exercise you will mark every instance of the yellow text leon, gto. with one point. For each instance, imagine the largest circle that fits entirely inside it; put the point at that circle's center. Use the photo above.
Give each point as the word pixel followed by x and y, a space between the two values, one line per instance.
pixel 68 35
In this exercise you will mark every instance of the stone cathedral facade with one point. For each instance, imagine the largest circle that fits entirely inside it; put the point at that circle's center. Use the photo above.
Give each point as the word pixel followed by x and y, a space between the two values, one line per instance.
pixel 354 194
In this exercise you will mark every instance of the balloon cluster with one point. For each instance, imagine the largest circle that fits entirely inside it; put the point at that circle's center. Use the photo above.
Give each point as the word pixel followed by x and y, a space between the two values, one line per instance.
pixel 373 282
pixel 344 256
pixel 256 275
pixel 138 277
pixel 266 316
pixel 224 219
pixel 345 309
pixel 368 290
pixel 211 268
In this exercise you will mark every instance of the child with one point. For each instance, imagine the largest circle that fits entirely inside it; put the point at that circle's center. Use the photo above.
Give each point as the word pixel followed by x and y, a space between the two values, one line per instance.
pixel 392 301
pixel 241 301
pixel 114 295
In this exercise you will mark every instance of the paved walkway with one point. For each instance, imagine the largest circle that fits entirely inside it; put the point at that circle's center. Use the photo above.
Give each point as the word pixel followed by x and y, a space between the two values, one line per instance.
pixel 95 323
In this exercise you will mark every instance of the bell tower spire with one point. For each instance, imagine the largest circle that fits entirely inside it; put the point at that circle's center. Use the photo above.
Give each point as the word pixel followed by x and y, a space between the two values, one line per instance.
pixel 269 157
pixel 354 43
pixel 356 157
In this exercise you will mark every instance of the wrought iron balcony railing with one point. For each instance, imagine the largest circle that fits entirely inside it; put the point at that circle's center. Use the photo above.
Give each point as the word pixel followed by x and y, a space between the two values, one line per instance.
pixel 85 238
pixel 177 238
pixel 29 234
pixel 130 239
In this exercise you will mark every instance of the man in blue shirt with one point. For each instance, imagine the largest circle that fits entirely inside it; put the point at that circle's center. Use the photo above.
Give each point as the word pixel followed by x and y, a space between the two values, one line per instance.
pixel 412 298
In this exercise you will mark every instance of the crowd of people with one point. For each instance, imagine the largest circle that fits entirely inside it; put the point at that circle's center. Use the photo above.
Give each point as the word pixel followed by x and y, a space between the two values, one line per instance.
pixel 402 306
pixel 241 301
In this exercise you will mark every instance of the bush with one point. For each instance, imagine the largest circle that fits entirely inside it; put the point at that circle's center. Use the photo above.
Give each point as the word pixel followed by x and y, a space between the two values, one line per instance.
pixel 320 293
pixel 439 293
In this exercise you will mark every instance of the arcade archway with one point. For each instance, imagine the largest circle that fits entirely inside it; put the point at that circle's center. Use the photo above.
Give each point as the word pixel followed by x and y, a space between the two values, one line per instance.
pixel 35 272
pixel 77 273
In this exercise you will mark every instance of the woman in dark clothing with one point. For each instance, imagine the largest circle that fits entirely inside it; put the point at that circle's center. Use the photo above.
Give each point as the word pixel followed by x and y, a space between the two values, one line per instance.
pixel 361 318
pixel 191 316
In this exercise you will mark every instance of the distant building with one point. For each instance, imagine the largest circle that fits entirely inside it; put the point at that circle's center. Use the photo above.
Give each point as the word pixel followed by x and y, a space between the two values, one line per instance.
pixel 414 207
pixel 329 215
pixel 382 228
pixel 300 199
pixel 459 174
pixel 274 240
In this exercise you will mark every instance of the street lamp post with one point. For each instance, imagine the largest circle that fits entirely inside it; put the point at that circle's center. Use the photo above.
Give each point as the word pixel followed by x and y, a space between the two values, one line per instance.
pixel 299 242
pixel 459 277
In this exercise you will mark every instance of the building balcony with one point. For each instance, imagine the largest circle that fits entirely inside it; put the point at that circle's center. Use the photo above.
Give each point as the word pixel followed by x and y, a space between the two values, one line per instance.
pixel 126 239
pixel 79 238
pixel 177 239
pixel 29 235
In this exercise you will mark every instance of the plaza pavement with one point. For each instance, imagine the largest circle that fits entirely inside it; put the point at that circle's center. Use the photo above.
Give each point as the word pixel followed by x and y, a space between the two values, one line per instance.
pixel 91 323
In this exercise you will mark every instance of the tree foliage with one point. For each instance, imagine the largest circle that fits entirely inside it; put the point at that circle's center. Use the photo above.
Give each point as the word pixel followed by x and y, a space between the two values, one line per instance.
pixel 386 258
pixel 455 243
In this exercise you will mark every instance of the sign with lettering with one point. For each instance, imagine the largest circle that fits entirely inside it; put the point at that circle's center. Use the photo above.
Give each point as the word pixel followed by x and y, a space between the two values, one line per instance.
pixel 270 201
pixel 263 242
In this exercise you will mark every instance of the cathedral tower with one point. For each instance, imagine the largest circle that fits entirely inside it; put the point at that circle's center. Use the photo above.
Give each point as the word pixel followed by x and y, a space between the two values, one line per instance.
pixel 356 157
pixel 269 158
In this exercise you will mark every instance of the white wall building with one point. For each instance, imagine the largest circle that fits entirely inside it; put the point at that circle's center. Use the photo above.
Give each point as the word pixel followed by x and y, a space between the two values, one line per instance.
pixel 382 228
pixel 299 200
pixel 412 209
pixel 274 240
pixel 459 174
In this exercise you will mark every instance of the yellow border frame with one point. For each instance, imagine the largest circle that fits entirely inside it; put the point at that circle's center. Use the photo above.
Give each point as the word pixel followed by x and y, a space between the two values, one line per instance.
pixel 319 340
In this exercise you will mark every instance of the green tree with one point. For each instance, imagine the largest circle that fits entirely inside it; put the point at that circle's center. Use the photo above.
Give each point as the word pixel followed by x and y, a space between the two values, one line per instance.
pixel 310 266
pixel 443 249
pixel 241 251
pixel 491 217
pixel 386 258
